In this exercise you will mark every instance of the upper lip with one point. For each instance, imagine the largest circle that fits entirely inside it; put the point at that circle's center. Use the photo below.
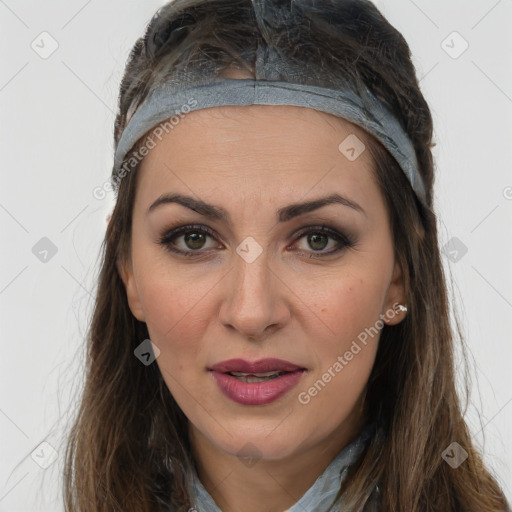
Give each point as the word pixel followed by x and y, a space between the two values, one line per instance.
pixel 259 366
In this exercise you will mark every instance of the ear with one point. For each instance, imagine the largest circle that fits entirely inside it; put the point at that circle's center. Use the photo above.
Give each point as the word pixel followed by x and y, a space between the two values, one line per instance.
pixel 125 270
pixel 392 313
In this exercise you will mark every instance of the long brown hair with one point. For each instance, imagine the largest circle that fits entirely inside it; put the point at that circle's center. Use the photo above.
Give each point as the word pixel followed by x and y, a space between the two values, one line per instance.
pixel 128 449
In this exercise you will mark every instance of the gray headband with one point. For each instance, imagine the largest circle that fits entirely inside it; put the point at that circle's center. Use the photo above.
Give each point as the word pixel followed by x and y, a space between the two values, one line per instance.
pixel 172 99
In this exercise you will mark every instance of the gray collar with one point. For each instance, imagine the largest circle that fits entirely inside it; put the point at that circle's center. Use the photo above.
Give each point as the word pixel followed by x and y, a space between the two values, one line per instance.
pixel 319 497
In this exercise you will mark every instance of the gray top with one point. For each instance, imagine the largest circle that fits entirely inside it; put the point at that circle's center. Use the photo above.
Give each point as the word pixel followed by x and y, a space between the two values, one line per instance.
pixel 319 497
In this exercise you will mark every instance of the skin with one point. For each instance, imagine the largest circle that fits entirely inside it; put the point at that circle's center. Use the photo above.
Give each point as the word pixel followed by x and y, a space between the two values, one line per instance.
pixel 287 303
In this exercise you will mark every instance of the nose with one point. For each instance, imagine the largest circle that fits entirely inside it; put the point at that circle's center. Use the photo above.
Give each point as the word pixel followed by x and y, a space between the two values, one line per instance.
pixel 256 299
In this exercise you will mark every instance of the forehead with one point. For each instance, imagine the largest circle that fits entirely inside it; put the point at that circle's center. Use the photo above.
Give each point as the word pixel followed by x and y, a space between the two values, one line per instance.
pixel 270 150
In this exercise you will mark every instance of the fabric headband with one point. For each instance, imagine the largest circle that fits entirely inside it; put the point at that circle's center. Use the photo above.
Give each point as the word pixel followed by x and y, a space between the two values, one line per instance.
pixel 363 109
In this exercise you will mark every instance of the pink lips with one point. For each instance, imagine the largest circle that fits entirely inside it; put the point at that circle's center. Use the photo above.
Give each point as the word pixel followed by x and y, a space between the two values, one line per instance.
pixel 256 393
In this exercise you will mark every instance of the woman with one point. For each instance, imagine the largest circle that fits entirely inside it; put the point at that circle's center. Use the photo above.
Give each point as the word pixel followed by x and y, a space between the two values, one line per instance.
pixel 271 329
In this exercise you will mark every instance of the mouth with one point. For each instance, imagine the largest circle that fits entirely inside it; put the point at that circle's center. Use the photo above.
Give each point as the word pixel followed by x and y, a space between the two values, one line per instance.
pixel 256 383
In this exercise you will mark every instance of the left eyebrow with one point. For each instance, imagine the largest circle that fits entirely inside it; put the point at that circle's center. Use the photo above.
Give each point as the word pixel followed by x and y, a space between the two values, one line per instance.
pixel 283 214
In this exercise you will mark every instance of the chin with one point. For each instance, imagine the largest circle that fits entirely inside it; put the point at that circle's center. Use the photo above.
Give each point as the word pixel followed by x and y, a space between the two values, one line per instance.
pixel 260 445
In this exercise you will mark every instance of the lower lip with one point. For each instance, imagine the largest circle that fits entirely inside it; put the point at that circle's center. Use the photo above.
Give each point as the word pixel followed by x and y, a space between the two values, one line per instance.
pixel 256 393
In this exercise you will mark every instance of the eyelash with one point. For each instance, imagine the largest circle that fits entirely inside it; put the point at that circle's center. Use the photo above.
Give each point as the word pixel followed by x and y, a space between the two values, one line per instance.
pixel 346 241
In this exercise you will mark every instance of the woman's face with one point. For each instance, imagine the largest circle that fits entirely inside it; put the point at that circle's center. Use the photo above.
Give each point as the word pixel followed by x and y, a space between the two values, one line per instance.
pixel 258 275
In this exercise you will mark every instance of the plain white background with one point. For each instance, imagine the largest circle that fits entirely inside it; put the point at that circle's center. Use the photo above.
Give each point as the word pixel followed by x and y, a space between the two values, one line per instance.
pixel 56 137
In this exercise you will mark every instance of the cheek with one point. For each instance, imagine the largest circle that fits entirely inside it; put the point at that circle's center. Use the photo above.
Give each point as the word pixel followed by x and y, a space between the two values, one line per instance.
pixel 175 303
pixel 348 307
pixel 176 317
pixel 345 348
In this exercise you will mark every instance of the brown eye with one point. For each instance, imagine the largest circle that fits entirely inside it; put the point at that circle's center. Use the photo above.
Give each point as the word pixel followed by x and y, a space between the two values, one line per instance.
pixel 194 240
pixel 318 241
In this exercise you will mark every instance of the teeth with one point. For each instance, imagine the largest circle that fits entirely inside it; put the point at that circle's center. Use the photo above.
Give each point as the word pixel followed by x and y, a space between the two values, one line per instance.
pixel 252 378
pixel 265 374
pixel 256 377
